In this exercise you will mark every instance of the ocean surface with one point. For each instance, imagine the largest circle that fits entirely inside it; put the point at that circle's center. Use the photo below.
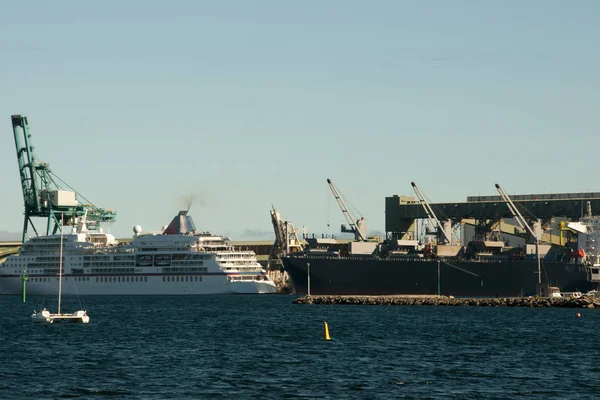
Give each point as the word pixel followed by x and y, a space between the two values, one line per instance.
pixel 265 347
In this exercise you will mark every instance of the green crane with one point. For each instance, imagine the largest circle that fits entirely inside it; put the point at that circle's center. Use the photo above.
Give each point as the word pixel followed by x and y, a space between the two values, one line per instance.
pixel 42 196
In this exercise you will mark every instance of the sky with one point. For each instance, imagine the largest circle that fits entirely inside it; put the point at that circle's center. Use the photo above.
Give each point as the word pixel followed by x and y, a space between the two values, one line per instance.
pixel 241 105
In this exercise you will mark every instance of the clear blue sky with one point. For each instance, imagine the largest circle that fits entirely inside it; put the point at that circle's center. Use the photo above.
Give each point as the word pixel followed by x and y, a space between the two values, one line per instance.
pixel 245 104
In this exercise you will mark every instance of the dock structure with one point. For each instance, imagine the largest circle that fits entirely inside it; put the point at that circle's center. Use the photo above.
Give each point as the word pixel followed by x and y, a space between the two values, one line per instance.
pixel 568 205
pixel 442 301
pixel 402 212
pixel 400 209
pixel 8 248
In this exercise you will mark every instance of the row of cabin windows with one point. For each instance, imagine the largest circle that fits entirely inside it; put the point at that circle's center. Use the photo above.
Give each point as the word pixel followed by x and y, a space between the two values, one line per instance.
pixel 32 267
pixel 78 278
pixel 129 279
pixel 182 278
pixel 241 256
pixel 108 264
pixel 185 269
pixel 190 257
pixel 187 262
pixel 178 256
pixel 41 259
pixel 248 278
pixel 110 270
pixel 162 249
pixel 121 279
pixel 247 268
pixel 96 258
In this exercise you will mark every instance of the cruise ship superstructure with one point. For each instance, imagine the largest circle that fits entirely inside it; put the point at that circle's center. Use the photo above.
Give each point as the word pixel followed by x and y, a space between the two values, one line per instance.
pixel 177 261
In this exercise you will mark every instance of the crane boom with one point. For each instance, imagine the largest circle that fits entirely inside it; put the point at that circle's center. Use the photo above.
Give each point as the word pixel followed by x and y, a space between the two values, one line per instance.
pixel 277 226
pixel 286 239
pixel 515 211
pixel 358 233
pixel 428 210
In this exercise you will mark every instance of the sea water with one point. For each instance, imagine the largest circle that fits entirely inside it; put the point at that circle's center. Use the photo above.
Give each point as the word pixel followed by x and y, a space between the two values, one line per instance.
pixel 265 347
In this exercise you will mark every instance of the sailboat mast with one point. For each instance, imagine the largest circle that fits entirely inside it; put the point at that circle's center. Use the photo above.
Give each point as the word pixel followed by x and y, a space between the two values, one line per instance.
pixel 60 263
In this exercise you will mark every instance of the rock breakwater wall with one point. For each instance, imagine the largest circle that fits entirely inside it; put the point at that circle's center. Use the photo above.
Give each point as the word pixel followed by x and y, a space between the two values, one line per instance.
pixel 581 302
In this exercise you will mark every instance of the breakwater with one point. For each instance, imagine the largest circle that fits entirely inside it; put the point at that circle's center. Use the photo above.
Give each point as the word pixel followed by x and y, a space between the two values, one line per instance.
pixel 559 302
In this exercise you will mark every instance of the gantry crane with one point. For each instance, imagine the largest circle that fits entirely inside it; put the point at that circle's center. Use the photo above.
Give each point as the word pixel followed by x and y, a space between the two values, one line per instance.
pixel 358 228
pixel 42 196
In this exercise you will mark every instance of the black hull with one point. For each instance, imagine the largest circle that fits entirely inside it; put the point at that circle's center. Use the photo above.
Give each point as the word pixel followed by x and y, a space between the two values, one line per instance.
pixel 374 276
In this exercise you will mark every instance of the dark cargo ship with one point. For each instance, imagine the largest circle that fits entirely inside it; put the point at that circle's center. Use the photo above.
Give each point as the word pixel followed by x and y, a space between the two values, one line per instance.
pixel 486 266
pixel 347 275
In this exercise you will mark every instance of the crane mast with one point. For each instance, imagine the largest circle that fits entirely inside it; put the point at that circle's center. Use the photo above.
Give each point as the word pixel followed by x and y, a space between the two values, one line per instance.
pixel 42 196
pixel 26 160
pixel 355 227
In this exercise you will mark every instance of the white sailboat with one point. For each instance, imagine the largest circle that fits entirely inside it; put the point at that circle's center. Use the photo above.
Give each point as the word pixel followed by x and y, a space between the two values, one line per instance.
pixel 45 316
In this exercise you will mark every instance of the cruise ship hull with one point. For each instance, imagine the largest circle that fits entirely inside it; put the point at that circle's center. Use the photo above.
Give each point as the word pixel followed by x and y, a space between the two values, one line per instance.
pixel 379 276
pixel 139 285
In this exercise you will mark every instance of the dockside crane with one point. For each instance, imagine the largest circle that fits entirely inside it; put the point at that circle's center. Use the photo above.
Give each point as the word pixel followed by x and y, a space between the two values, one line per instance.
pixel 286 242
pixel 429 211
pixel 358 228
pixel 286 239
pixel 523 224
pixel 43 196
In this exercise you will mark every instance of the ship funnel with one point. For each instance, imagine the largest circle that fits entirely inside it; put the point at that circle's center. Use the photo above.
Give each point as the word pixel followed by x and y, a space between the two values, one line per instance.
pixel 180 225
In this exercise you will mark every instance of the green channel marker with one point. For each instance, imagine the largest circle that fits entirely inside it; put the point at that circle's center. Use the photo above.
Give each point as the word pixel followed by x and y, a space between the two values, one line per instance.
pixel 24 278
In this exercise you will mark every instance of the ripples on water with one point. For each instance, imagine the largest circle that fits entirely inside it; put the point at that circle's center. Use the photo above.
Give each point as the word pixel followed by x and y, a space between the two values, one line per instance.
pixel 212 347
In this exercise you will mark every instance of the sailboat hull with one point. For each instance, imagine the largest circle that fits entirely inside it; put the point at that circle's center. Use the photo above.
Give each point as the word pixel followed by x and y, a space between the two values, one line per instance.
pixel 45 317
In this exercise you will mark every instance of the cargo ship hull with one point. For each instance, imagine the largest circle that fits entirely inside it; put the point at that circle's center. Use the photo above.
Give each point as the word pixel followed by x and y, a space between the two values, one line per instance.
pixel 381 276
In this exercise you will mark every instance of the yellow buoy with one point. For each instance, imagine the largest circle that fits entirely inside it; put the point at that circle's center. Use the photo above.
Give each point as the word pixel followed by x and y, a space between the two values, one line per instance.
pixel 327 332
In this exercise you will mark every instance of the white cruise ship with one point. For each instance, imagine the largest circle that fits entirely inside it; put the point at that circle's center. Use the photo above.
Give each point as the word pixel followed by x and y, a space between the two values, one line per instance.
pixel 178 261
